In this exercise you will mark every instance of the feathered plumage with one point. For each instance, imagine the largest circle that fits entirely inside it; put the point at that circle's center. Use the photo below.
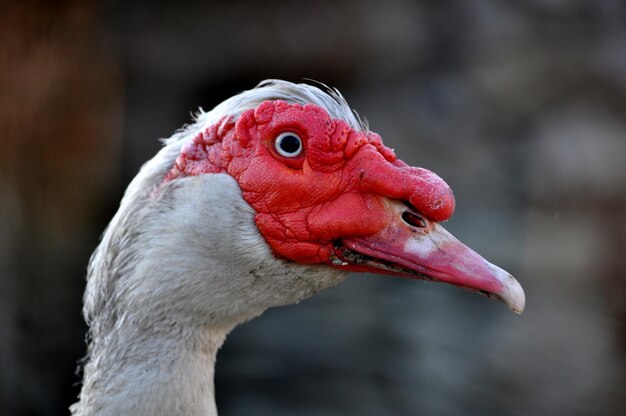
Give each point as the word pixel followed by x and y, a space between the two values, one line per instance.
pixel 270 197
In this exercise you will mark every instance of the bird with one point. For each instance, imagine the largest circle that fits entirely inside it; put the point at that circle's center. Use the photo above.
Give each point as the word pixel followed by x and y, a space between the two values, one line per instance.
pixel 274 195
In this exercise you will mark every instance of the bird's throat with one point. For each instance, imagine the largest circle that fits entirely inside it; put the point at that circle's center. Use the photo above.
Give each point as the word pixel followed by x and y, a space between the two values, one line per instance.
pixel 168 376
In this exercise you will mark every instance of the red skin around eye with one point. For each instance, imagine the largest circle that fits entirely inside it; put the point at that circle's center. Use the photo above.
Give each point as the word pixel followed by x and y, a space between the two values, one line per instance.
pixel 331 191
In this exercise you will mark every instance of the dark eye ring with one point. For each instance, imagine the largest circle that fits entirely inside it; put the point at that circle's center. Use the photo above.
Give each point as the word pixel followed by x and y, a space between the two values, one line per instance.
pixel 288 144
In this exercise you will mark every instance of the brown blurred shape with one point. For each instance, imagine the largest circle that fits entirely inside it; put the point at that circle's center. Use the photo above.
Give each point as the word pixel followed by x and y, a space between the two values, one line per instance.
pixel 60 96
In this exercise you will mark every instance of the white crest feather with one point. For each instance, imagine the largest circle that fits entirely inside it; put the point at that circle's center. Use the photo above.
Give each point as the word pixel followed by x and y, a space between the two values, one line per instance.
pixel 273 89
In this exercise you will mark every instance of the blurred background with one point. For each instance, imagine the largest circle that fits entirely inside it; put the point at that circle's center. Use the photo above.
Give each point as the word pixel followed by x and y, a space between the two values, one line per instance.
pixel 519 105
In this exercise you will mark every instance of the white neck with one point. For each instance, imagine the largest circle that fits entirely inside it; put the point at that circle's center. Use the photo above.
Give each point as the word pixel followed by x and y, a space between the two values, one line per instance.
pixel 152 374
pixel 175 272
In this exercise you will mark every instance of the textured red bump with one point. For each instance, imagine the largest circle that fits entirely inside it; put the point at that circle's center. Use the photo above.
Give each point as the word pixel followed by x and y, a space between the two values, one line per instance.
pixel 333 190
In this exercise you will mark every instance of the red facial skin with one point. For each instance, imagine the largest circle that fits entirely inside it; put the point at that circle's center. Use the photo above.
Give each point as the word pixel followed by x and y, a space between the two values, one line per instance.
pixel 343 201
pixel 333 190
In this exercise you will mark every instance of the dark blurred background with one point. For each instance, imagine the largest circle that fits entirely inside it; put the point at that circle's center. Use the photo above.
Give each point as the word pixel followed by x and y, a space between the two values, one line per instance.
pixel 519 105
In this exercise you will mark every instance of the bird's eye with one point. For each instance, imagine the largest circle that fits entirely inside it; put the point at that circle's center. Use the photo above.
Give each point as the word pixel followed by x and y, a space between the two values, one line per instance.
pixel 288 144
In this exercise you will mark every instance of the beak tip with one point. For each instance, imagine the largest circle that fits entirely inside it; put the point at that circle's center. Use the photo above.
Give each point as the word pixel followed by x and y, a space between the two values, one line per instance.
pixel 512 292
pixel 514 295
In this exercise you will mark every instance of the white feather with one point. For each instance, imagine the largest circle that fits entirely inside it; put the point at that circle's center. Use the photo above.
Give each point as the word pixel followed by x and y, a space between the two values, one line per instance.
pixel 177 269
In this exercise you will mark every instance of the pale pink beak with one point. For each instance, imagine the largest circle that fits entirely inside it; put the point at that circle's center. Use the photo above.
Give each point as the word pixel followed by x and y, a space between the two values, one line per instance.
pixel 413 246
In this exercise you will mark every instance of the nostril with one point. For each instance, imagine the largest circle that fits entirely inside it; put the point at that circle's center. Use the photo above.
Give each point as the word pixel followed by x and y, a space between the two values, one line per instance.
pixel 413 219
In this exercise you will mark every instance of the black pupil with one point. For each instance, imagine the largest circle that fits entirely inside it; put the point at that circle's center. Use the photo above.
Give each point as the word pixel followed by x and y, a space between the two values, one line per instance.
pixel 290 144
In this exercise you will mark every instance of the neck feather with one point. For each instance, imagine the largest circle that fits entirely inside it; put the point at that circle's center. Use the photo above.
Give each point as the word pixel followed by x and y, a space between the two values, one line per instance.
pixel 152 372
pixel 176 270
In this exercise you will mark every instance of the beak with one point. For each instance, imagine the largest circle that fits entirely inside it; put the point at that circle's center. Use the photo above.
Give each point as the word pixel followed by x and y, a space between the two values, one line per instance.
pixel 413 246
